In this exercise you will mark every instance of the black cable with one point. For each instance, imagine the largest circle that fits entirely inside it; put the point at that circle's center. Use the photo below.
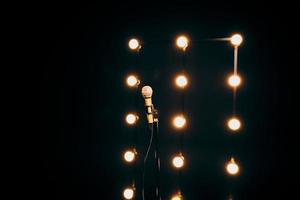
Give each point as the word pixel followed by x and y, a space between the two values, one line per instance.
pixel 145 160
pixel 157 163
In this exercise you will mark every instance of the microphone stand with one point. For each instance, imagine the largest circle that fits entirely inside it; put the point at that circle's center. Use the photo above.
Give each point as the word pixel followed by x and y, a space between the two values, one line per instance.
pixel 156 152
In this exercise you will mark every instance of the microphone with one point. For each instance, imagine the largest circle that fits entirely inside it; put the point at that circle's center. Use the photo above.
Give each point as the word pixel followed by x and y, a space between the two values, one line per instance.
pixel 147 94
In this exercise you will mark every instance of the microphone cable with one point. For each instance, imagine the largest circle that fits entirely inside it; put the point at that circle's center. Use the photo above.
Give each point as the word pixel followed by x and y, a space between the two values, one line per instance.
pixel 158 163
pixel 145 160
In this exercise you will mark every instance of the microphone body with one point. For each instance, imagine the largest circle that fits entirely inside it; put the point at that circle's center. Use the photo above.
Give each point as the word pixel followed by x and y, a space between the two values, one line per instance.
pixel 147 95
pixel 149 107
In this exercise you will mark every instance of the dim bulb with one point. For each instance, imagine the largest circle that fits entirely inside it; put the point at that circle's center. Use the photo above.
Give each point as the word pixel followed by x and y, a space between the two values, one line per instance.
pixel 177 196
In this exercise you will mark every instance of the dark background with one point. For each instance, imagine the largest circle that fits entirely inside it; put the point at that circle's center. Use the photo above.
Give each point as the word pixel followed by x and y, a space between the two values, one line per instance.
pixel 84 59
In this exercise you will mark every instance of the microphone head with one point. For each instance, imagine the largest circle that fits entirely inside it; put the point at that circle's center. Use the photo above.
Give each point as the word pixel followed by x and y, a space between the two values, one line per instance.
pixel 147 91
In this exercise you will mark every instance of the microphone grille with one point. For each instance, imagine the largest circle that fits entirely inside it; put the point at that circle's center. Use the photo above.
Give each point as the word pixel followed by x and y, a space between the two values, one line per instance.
pixel 147 91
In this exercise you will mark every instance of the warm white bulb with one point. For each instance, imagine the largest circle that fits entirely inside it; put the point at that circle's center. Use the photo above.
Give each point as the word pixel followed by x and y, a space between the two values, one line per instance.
pixel 128 193
pixel 131 118
pixel 176 197
pixel 234 124
pixel 178 161
pixel 179 121
pixel 236 40
pixel 234 80
pixel 134 44
pixel 132 81
pixel 232 168
pixel 129 156
pixel 181 81
pixel 182 42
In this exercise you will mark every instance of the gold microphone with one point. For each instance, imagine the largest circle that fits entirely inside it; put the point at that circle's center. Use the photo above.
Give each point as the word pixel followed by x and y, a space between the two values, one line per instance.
pixel 147 94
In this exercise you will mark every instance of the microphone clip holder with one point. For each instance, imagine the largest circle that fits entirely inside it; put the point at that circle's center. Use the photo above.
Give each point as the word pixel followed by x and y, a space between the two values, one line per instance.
pixel 155 115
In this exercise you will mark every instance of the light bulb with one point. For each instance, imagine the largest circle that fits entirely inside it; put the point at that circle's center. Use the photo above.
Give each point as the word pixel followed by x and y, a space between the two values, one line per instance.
pixel 182 42
pixel 129 156
pixel 234 80
pixel 178 161
pixel 176 197
pixel 132 81
pixel 181 81
pixel 131 118
pixel 179 121
pixel 134 44
pixel 236 40
pixel 232 168
pixel 234 124
pixel 128 193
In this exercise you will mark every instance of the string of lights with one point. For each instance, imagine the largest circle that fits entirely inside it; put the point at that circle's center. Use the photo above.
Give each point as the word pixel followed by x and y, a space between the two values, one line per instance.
pixel 234 123
pixel 133 82
pixel 179 121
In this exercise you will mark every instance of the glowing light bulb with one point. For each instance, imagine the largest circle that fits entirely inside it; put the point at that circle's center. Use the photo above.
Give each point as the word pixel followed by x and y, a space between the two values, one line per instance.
pixel 234 80
pixel 132 81
pixel 232 168
pixel 178 161
pixel 182 42
pixel 134 44
pixel 129 156
pixel 131 118
pixel 236 40
pixel 234 124
pixel 181 81
pixel 176 197
pixel 128 193
pixel 179 121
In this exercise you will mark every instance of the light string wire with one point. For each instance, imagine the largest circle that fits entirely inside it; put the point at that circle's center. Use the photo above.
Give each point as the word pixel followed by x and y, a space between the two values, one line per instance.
pixel 183 99
pixel 235 66
pixel 234 105
pixel 137 127
pixel 134 138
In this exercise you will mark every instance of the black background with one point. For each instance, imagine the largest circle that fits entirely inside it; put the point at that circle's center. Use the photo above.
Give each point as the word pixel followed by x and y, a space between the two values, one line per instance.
pixel 83 61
